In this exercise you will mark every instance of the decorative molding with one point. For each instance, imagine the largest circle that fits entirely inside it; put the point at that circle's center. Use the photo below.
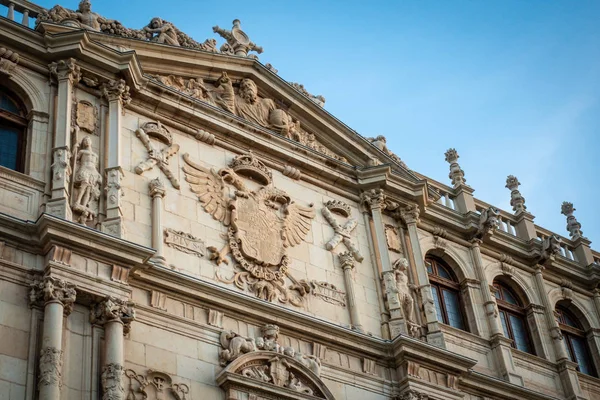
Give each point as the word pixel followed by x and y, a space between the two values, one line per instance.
pixel 292 172
pixel 65 70
pixel 410 214
pixel 120 274
pixel 116 90
pixel 374 199
pixel 60 255
pixel 369 366
pixel 184 242
pixel 329 293
pixel 205 137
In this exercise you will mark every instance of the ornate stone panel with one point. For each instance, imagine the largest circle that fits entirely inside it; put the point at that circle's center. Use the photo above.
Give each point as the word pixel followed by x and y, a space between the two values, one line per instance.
pixel 184 242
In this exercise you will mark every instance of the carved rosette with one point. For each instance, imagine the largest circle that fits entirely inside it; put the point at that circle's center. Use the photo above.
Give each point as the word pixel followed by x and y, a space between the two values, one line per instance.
pixel 517 201
pixel 573 226
pixel 116 90
pixel 50 367
pixel 112 309
pixel 65 69
pixel 111 382
pixel 49 289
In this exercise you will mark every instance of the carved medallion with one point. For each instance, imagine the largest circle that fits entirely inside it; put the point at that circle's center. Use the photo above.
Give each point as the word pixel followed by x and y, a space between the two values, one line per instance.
pixel 87 116
pixel 393 239
pixel 184 242
pixel 262 223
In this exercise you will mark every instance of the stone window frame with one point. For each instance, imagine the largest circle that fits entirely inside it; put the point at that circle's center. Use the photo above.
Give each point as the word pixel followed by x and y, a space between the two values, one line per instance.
pixel 438 283
pixel 580 331
pixel 16 121
pixel 518 310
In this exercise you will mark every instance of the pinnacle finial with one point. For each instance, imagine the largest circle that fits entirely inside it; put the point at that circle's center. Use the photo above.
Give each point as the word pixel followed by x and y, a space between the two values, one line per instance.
pixel 517 201
pixel 573 226
pixel 456 175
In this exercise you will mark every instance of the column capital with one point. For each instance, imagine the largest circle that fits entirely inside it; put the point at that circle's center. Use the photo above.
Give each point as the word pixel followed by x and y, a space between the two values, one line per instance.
pixel 48 289
pixel 112 309
pixel 157 188
pixel 410 214
pixel 116 90
pixel 346 260
pixel 65 70
pixel 374 199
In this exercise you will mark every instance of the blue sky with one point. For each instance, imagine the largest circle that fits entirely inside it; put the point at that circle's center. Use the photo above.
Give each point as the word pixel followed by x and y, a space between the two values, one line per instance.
pixel 514 86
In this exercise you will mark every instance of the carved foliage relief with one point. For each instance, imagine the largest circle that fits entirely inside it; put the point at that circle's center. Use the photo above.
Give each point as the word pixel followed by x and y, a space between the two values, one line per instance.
pixel 262 225
pixel 153 385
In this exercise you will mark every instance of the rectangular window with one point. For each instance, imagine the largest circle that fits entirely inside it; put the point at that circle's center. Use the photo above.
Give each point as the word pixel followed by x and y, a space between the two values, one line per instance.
pixel 520 333
pixel 9 147
pixel 453 309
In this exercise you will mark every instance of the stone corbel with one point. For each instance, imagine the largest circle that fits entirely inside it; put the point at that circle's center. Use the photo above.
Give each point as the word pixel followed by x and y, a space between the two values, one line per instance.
pixel 8 61
pixel 60 255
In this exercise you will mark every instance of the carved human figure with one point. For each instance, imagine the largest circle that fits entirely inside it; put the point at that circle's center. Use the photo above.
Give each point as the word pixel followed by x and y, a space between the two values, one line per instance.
pixel 87 18
pixel 249 106
pixel 404 295
pixel 381 143
pixel 268 341
pixel 162 32
pixel 87 178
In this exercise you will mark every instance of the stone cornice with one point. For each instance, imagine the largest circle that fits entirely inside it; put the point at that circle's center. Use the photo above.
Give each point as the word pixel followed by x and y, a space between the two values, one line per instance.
pixel 48 231
pixel 499 388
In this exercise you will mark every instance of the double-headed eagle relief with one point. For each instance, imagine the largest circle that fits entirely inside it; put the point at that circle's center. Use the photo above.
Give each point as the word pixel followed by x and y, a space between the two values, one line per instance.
pixel 261 223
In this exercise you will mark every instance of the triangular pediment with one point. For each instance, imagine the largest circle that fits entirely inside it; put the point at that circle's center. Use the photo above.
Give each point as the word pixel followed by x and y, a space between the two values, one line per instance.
pixel 230 80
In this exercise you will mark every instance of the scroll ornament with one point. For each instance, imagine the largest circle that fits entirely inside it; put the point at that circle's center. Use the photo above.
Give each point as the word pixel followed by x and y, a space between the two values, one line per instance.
pixel 262 225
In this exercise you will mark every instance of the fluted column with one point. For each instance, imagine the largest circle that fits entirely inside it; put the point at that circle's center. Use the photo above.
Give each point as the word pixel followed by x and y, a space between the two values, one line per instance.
pixel 67 73
pixel 410 215
pixel 117 94
pixel 374 199
pixel 58 297
pixel 157 192
pixel 116 316
pixel 347 264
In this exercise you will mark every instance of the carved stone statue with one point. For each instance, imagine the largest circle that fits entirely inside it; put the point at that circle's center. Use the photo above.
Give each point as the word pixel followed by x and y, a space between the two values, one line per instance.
pixel 248 105
pixel 404 295
pixel 86 180
pixel 162 32
pixel 87 18
pixel 381 143
pixel 488 222
pixel 550 248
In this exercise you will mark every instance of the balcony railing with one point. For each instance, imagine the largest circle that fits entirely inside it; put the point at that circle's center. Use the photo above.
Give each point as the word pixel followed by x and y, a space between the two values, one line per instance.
pixel 21 10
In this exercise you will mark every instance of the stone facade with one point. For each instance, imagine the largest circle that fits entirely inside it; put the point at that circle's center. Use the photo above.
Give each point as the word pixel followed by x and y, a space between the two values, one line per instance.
pixel 188 226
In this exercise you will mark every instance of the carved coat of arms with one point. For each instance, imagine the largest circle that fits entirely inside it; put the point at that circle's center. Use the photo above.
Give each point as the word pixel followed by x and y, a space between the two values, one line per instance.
pixel 261 223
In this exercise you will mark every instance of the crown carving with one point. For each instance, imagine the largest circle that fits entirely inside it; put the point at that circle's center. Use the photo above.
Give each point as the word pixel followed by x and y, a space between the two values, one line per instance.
pixel 158 131
pixel 250 166
pixel 338 207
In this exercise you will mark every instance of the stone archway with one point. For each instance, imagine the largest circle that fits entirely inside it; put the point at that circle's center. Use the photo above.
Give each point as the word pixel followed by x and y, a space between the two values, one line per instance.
pixel 271 375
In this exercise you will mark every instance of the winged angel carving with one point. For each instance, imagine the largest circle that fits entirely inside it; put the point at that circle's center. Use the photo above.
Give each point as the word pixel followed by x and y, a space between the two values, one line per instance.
pixel 262 224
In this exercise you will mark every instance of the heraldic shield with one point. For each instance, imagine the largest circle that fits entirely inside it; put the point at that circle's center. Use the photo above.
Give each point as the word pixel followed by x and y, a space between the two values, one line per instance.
pixel 262 224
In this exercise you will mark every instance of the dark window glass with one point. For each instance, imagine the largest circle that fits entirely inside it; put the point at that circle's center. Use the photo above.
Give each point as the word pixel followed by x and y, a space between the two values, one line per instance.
pixel 446 295
pixel 12 128
pixel 512 317
pixel 577 346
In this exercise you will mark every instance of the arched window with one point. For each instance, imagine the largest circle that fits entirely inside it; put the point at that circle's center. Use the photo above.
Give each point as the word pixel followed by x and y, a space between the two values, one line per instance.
pixel 575 340
pixel 446 293
pixel 512 317
pixel 12 131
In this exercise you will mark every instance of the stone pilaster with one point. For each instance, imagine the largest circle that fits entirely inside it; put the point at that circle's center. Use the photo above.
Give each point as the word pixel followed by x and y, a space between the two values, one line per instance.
pixel 410 216
pixel 57 298
pixel 116 93
pixel 374 200
pixel 67 73
pixel 116 316
pixel 157 192
pixel 347 264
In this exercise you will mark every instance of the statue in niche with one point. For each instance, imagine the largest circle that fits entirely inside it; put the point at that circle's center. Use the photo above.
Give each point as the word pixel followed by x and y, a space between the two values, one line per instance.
pixel 86 180
pixel 162 32
pixel 249 106
pixel 406 300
